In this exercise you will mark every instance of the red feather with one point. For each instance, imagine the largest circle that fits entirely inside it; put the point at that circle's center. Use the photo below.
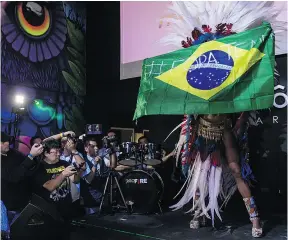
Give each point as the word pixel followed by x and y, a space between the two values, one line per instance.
pixel 206 28
pixel 215 158
pixel 196 34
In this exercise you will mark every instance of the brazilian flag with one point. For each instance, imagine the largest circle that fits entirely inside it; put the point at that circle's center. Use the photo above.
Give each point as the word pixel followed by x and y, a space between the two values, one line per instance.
pixel 227 75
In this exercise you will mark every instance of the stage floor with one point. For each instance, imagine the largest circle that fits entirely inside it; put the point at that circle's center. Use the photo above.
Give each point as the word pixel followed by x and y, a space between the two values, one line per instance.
pixel 172 226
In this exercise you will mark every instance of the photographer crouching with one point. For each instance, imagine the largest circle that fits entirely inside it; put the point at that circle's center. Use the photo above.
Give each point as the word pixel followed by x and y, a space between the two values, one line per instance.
pixel 54 177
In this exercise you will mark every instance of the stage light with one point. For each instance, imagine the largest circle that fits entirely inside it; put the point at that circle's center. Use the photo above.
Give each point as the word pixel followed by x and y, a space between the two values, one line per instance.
pixel 19 99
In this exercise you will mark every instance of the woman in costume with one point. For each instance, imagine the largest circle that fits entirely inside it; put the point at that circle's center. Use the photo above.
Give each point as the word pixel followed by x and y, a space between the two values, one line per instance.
pixel 209 144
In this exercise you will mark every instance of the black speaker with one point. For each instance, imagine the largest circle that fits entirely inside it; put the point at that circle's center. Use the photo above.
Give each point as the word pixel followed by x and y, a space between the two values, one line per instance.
pixel 38 220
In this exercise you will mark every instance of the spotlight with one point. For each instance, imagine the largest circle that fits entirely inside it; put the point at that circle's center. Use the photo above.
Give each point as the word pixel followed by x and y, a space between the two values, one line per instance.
pixel 19 99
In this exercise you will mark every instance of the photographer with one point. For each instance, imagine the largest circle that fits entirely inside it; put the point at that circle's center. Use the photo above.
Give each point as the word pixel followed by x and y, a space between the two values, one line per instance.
pixel 15 172
pixel 70 153
pixel 72 156
pixel 109 152
pixel 98 169
pixel 54 178
pixel 93 160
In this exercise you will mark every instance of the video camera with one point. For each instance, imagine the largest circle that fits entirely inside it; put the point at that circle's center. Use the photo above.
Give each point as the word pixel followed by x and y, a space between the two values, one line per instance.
pixel 111 143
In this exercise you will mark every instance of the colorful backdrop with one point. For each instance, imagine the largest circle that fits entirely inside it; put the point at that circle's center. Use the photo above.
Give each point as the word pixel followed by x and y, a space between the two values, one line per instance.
pixel 43 58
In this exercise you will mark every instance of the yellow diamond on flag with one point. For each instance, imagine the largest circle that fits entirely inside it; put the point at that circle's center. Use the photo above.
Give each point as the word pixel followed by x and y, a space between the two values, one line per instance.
pixel 211 68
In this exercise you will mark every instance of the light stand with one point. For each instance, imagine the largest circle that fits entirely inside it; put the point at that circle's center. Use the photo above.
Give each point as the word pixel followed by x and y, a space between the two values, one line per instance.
pixel 17 109
pixel 16 130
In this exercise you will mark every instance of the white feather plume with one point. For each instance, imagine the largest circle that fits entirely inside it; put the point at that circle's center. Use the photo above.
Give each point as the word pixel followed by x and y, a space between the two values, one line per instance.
pixel 178 126
pixel 192 185
pixel 188 15
pixel 203 187
pixel 190 171
pixel 217 180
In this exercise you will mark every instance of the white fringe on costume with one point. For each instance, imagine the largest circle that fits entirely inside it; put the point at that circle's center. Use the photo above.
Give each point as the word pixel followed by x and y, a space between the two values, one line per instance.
pixel 208 180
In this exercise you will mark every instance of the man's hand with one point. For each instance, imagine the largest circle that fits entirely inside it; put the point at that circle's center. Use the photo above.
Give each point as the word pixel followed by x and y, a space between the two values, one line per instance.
pixel 172 154
pixel 69 132
pixel 69 171
pixel 82 136
pixel 36 150
pixel 97 159
pixel 71 146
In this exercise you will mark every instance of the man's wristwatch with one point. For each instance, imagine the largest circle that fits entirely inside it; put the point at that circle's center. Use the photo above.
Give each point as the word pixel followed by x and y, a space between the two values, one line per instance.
pixel 30 156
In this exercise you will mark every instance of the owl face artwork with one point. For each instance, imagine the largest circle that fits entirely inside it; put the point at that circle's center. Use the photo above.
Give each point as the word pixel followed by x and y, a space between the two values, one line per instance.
pixel 35 52
pixel 33 40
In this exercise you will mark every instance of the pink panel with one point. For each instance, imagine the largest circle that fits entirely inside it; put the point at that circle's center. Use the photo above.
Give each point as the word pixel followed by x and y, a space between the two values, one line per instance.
pixel 140 29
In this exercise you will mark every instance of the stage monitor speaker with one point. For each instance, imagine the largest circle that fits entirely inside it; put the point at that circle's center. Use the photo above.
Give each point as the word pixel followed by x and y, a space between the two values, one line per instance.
pixel 38 220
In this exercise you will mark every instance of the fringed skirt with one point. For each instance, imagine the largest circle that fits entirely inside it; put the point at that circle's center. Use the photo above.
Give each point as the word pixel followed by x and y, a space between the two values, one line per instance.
pixel 207 172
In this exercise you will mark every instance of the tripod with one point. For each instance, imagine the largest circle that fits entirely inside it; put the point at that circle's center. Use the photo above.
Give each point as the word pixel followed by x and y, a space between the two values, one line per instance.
pixel 111 179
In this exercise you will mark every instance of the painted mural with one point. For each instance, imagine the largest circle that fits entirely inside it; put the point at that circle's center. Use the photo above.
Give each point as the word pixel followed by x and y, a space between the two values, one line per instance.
pixel 43 58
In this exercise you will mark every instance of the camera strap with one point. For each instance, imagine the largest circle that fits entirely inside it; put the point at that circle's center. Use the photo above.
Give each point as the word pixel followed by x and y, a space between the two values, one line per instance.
pixel 71 159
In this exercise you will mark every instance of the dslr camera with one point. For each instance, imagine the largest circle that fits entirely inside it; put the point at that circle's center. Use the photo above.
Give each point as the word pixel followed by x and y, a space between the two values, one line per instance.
pixel 78 168
pixel 70 137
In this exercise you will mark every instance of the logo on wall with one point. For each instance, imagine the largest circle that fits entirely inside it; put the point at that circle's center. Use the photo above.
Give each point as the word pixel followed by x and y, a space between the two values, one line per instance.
pixel 280 95
pixel 280 102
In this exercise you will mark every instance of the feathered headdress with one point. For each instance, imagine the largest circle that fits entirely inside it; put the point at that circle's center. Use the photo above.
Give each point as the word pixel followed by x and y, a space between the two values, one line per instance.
pixel 197 22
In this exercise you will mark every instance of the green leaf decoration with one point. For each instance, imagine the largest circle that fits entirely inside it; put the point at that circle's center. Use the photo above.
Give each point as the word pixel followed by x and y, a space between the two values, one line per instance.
pixel 81 66
pixel 68 115
pixel 77 87
pixel 76 36
pixel 76 55
pixel 69 125
pixel 77 114
pixel 77 72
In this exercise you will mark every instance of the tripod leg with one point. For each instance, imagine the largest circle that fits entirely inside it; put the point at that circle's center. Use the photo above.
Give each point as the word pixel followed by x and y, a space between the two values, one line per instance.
pixel 159 205
pixel 119 188
pixel 111 193
pixel 104 193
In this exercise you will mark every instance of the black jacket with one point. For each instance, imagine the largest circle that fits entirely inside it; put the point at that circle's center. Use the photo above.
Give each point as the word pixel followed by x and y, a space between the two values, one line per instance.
pixel 16 171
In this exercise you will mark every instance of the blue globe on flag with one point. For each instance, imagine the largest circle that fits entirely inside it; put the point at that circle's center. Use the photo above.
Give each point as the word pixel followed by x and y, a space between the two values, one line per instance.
pixel 210 70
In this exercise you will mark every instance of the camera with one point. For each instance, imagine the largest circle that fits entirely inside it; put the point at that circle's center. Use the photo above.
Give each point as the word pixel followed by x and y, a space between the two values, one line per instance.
pixel 111 143
pixel 78 168
pixel 70 137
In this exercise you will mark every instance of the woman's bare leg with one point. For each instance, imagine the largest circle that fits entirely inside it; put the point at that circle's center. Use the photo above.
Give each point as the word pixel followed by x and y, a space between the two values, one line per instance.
pixel 232 156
